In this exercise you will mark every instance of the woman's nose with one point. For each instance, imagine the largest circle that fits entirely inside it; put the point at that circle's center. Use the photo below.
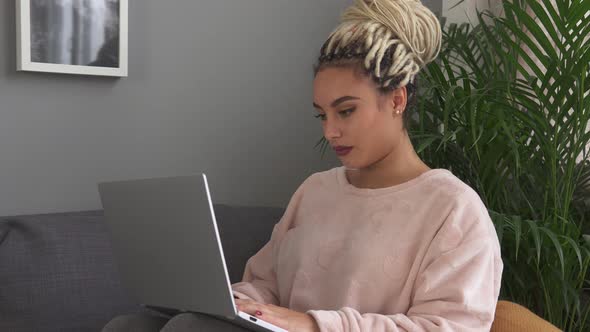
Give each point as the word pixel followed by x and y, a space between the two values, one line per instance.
pixel 331 130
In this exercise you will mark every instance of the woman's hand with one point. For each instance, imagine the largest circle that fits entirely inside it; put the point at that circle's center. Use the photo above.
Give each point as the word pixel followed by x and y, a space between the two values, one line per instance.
pixel 289 320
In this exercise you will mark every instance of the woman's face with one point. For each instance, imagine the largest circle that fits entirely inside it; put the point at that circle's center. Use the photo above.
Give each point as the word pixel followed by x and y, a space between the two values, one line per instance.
pixel 358 122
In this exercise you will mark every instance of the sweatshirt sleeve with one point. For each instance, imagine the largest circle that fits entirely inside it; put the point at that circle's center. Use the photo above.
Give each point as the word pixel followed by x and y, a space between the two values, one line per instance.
pixel 259 282
pixel 457 287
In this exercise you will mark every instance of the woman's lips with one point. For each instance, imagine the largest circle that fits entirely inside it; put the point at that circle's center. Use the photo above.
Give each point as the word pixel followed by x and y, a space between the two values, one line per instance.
pixel 342 150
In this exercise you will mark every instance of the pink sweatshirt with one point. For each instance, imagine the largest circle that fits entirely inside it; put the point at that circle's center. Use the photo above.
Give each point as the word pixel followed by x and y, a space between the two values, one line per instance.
pixel 419 256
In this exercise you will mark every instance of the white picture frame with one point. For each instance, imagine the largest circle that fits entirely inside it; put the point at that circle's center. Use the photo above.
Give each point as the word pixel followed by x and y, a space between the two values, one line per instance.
pixel 39 50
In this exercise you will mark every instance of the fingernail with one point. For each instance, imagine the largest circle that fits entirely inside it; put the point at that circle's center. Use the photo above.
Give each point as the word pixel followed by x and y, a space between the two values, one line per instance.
pixel 258 313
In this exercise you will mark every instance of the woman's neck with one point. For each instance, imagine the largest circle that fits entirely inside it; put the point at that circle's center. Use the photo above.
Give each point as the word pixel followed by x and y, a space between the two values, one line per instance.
pixel 400 165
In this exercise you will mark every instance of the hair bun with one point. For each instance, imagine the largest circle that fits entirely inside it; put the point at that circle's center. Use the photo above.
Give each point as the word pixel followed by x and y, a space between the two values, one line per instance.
pixel 410 21
pixel 394 39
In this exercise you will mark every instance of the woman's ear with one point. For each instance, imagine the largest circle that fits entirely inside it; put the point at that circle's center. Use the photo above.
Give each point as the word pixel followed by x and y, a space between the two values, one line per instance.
pixel 399 100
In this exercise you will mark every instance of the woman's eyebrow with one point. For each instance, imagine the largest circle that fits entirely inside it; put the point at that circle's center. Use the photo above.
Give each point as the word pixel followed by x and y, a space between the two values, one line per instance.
pixel 338 101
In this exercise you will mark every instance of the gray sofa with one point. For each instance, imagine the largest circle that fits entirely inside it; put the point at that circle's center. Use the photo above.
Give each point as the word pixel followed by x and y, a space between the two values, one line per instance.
pixel 57 271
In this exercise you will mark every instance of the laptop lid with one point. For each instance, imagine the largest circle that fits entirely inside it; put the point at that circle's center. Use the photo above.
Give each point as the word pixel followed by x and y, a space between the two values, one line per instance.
pixel 166 243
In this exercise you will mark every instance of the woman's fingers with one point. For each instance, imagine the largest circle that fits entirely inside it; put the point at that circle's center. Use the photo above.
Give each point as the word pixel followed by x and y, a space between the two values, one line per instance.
pixel 252 307
pixel 268 313
pixel 248 306
pixel 279 316
pixel 274 318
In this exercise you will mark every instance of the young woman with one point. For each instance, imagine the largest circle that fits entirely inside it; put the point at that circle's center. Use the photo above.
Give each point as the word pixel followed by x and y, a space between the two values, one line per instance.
pixel 384 242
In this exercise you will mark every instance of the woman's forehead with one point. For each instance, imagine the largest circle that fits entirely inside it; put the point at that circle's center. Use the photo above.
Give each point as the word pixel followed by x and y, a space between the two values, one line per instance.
pixel 333 83
pixel 341 78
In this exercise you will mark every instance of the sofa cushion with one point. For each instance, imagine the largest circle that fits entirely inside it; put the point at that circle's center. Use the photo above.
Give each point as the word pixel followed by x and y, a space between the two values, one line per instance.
pixel 57 271
pixel 243 231
pixel 57 274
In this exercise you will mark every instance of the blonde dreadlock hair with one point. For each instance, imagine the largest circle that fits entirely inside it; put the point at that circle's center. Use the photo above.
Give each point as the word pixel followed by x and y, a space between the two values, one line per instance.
pixel 393 39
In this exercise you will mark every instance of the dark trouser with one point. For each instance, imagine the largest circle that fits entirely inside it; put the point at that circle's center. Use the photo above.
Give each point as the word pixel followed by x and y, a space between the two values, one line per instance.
pixel 185 322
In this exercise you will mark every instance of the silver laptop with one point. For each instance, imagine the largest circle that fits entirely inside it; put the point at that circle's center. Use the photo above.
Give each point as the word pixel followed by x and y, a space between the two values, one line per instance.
pixel 167 247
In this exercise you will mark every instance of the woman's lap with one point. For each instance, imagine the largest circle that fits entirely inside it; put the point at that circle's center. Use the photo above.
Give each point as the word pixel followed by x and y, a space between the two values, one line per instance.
pixel 181 323
pixel 198 322
pixel 136 323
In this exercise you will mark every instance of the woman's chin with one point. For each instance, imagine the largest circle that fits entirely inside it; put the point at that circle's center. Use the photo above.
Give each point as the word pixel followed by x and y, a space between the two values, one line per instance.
pixel 348 163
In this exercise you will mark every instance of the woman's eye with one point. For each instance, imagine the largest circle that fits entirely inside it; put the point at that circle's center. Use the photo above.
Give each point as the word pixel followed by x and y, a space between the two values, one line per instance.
pixel 321 117
pixel 343 113
pixel 346 112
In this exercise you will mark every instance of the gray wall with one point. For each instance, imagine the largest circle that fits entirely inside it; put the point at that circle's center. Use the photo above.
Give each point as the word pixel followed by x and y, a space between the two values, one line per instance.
pixel 218 86
pixel 222 86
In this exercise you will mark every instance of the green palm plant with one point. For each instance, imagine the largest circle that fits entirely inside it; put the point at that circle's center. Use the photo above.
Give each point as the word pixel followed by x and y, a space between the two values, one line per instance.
pixel 506 107
pixel 512 123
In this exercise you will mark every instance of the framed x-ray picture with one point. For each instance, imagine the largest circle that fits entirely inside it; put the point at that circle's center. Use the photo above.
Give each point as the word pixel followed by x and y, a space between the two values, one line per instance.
pixel 86 37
